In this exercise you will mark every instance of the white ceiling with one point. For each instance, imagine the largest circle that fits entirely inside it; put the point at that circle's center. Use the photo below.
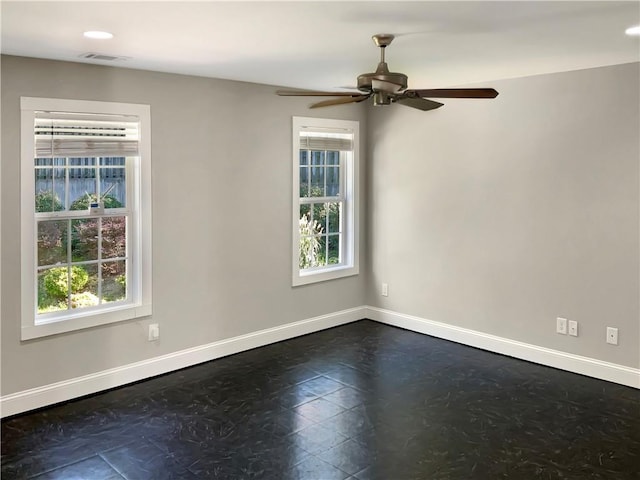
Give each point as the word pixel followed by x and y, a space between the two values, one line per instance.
pixel 325 45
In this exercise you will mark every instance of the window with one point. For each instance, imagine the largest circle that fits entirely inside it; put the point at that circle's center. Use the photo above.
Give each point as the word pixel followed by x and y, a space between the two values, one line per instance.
pixel 325 159
pixel 86 214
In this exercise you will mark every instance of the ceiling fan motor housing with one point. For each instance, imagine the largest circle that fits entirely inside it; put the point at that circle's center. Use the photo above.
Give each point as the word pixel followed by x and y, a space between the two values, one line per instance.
pixel 364 80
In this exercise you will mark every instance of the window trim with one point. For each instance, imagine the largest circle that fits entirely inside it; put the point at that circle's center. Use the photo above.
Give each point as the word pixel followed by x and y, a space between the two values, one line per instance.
pixel 350 177
pixel 140 241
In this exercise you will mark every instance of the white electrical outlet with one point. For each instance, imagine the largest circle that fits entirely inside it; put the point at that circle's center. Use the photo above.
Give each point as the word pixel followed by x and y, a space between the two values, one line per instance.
pixel 385 289
pixel 612 335
pixel 154 332
pixel 573 328
pixel 561 325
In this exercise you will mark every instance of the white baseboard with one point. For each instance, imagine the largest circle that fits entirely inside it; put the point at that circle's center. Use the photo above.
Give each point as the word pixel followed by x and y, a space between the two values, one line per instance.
pixel 76 387
pixel 545 356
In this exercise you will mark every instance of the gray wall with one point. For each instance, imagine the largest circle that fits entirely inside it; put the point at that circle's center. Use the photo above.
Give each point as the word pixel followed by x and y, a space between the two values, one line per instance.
pixel 221 217
pixel 500 216
pixel 497 215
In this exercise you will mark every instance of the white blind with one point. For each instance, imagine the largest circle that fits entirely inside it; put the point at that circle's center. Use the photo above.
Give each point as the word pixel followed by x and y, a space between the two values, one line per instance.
pixel 83 135
pixel 326 141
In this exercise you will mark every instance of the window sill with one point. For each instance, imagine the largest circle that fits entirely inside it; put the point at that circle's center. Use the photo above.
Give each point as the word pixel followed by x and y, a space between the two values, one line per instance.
pixel 80 321
pixel 322 275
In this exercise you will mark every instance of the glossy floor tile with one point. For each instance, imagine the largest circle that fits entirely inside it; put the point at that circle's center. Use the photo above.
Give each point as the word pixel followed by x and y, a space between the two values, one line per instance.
pixel 361 401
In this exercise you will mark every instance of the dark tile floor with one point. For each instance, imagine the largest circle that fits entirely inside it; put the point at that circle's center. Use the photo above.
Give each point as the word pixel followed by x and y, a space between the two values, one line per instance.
pixel 361 401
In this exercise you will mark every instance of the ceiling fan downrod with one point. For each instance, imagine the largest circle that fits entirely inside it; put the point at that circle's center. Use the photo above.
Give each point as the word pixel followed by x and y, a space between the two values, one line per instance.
pixel 383 40
pixel 382 74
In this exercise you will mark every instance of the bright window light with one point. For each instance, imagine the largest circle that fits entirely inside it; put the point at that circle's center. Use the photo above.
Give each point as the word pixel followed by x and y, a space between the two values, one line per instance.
pixel 633 30
pixel 98 35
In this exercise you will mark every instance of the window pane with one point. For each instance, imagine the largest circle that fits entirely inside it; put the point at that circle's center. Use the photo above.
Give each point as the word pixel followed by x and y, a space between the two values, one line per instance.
pixel 113 182
pixel 43 179
pixel 84 291
pixel 50 189
pixel 333 214
pixel 317 182
pixel 317 173
pixel 39 162
pixel 312 251
pixel 333 158
pixel 84 241
pixel 112 161
pixel 114 239
pixel 309 239
pixel 114 281
pixel 334 249
pixel 320 217
pixel 82 192
pixel 52 242
pixel 304 157
pixel 317 158
pixel 82 183
pixel 304 181
pixel 333 181
pixel 114 190
pixel 322 251
pixel 60 180
pixel 82 168
pixel 113 187
pixel 83 162
pixel 52 289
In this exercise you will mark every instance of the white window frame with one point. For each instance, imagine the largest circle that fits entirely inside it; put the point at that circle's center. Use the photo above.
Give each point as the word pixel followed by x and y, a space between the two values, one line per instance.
pixel 138 303
pixel 349 164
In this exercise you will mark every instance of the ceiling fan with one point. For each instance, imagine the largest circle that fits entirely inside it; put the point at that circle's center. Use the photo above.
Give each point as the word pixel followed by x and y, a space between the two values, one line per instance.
pixel 390 87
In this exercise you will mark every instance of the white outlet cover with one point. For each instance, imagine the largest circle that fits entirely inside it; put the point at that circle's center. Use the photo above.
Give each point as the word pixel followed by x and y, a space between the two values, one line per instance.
pixel 573 328
pixel 612 335
pixel 561 325
pixel 154 332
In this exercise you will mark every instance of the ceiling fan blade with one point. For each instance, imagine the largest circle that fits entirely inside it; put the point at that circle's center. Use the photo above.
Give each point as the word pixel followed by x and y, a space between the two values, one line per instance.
pixel 455 93
pixel 419 103
pixel 309 93
pixel 339 101
pixel 385 86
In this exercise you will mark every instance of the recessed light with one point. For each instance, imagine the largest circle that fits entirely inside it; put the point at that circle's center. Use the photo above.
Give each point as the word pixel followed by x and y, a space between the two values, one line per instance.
pixel 633 30
pixel 98 35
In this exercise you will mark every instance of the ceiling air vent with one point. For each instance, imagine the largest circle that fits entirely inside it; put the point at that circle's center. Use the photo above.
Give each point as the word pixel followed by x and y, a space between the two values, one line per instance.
pixel 100 56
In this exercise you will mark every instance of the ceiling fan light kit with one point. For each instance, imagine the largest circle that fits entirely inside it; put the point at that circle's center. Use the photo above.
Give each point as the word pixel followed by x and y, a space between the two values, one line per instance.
pixel 387 87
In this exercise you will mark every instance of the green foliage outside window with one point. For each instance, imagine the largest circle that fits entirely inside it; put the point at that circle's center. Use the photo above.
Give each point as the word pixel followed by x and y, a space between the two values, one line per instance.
pixel 83 202
pixel 83 299
pixel 47 201
pixel 315 234
pixel 56 282
pixel 53 285
pixel 309 243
